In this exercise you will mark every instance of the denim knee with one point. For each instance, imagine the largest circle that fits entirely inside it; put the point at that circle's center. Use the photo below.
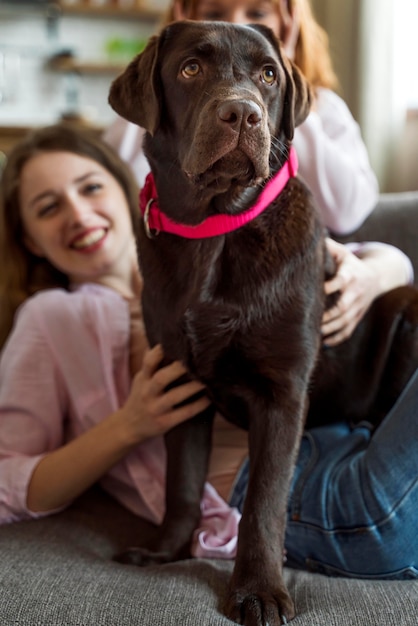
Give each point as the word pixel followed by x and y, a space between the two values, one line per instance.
pixel 331 527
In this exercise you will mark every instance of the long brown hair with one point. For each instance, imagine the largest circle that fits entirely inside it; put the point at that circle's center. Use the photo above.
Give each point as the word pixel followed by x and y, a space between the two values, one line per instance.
pixel 312 53
pixel 22 273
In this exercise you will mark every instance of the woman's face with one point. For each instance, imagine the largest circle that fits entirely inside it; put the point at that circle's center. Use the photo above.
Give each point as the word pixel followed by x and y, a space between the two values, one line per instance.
pixel 240 12
pixel 75 214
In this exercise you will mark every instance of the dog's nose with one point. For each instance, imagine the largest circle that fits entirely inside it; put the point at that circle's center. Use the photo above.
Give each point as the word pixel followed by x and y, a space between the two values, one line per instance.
pixel 237 113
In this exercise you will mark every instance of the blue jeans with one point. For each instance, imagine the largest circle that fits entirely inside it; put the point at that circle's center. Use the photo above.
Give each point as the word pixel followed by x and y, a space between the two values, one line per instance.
pixel 353 503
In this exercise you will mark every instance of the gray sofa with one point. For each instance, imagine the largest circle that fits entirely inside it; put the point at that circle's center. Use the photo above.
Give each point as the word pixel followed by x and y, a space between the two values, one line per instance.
pixel 58 571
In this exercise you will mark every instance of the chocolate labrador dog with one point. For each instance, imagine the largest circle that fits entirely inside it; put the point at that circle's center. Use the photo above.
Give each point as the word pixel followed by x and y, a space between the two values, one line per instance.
pixel 233 258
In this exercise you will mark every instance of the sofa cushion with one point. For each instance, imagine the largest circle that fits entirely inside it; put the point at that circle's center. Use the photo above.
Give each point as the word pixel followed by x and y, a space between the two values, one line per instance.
pixel 59 571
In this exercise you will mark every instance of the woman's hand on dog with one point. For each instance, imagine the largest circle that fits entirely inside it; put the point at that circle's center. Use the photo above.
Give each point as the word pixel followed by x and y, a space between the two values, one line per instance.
pixel 151 409
pixel 357 284
pixel 360 278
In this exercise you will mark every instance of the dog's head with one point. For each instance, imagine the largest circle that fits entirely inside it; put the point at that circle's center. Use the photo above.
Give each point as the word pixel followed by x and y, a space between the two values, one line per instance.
pixel 223 96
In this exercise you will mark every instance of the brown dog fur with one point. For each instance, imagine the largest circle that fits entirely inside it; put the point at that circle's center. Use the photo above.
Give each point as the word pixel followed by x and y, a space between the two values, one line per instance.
pixel 242 310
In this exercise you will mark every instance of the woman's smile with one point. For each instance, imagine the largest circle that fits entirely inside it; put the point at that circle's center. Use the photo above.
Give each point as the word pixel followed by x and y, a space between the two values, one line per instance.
pixel 80 221
pixel 90 241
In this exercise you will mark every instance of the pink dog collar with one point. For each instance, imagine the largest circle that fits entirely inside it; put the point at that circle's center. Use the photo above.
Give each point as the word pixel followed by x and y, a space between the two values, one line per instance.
pixel 156 221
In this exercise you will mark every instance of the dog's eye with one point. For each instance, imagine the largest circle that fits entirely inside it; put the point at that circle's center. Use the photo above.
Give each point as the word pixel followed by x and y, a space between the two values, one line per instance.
pixel 268 75
pixel 190 70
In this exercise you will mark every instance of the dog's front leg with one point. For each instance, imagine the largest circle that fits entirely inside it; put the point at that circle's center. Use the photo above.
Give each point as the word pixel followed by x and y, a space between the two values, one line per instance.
pixel 258 595
pixel 188 448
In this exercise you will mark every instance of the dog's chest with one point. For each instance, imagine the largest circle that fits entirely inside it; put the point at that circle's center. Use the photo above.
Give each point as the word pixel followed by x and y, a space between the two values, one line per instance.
pixel 201 294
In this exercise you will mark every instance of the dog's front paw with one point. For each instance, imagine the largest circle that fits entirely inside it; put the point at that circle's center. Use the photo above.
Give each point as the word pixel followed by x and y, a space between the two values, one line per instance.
pixel 142 557
pixel 260 608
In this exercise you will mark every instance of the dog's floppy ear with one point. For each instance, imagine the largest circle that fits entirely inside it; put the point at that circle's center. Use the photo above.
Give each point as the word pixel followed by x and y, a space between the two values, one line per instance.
pixel 297 99
pixel 135 94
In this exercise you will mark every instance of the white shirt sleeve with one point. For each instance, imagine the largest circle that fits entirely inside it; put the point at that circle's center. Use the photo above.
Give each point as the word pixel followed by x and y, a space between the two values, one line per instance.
pixel 334 163
pixel 358 248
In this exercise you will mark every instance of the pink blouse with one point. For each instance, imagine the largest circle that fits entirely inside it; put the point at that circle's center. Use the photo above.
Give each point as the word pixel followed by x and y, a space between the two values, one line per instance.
pixel 64 368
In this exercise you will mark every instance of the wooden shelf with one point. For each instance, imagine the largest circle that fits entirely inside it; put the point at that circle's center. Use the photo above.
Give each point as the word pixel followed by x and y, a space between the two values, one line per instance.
pixel 86 67
pixel 122 51
pixel 9 135
pixel 111 11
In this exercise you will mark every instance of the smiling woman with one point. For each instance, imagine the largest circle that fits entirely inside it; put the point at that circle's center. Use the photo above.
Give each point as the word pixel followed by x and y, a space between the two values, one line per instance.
pixel 75 404
pixel 68 208
pixel 49 223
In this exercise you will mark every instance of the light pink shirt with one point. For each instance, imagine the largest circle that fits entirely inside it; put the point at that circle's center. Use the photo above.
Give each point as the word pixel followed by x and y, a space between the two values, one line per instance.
pixel 65 368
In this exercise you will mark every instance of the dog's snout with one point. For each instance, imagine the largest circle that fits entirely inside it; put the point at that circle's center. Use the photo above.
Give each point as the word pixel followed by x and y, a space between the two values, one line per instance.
pixel 237 113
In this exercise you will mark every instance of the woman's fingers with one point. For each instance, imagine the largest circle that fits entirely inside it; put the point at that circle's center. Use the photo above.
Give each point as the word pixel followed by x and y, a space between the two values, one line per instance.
pixel 355 283
pixel 169 373
pixel 152 359
pixel 180 414
pixel 155 380
pixel 339 330
pixel 177 395
pixel 161 377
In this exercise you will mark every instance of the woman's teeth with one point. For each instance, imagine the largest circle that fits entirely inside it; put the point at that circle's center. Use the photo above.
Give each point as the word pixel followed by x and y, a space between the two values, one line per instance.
pixel 89 239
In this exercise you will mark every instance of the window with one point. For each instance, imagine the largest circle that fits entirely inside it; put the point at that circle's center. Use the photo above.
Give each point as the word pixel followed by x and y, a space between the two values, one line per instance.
pixel 406 51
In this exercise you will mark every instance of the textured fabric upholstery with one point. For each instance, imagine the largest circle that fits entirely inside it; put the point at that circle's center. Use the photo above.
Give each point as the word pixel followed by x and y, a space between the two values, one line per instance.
pixel 58 571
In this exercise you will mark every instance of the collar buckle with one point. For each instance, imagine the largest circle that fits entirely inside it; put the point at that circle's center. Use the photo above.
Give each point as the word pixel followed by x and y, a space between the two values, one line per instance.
pixel 150 233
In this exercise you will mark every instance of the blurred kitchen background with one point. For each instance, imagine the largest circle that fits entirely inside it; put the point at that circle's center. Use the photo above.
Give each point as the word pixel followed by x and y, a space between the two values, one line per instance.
pixel 57 59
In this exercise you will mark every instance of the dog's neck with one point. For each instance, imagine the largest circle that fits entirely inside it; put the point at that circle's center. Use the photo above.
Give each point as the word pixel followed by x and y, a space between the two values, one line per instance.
pixel 156 220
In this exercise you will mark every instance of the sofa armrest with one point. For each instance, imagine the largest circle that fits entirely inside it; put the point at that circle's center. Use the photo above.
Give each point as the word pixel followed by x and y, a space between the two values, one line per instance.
pixel 394 221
